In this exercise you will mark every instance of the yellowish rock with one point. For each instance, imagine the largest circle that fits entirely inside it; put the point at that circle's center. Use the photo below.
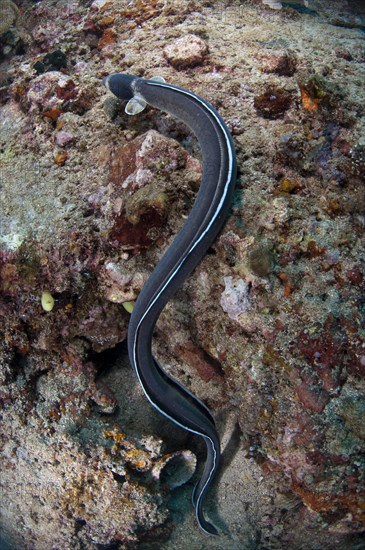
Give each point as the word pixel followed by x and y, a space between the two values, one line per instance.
pixel 47 301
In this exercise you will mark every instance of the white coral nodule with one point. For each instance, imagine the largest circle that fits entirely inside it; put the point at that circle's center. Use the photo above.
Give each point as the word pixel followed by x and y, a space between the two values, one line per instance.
pixel 278 5
pixel 234 299
pixel 272 4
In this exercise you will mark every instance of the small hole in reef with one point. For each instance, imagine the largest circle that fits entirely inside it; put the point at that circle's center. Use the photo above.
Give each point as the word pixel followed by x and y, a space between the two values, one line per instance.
pixel 118 477
pixel 105 360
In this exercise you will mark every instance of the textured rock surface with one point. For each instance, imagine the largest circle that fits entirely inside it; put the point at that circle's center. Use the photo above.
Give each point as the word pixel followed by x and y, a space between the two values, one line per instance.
pixel 269 329
pixel 186 51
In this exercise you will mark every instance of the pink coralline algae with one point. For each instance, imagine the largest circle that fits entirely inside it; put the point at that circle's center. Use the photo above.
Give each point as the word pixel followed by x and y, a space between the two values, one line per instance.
pixel 140 172
pixel 42 91
pixel 54 90
pixel 64 138
pixel 235 298
pixel 326 348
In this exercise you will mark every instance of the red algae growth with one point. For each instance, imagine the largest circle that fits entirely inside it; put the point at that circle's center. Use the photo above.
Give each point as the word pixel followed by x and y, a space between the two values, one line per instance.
pixel 268 331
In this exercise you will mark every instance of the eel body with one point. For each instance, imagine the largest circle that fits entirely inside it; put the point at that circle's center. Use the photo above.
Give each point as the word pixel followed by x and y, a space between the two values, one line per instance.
pixel 204 222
